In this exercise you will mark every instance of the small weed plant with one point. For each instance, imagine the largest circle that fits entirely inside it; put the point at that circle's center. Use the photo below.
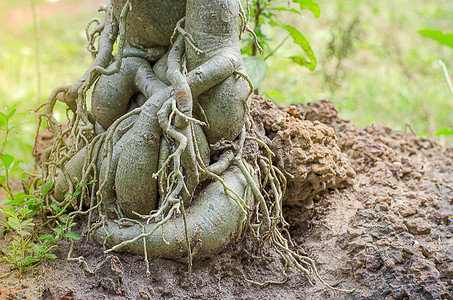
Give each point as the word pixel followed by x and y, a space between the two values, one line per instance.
pixel 30 245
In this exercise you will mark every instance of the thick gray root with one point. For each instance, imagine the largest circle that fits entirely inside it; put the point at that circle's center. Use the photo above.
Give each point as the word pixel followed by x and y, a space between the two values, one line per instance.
pixel 189 166
pixel 225 108
pixel 214 28
pixel 139 157
pixel 151 22
pixel 112 93
pixel 110 164
pixel 213 221
pixel 103 58
pixel 136 188
pixel 160 68
pixel 74 168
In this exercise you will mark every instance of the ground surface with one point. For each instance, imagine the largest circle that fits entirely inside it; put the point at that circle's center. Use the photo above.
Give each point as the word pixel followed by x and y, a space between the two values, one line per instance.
pixel 389 235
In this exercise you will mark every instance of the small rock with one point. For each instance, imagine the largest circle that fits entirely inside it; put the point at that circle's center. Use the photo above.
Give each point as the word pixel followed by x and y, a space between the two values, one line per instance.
pixel 407 211
pixel 55 292
pixel 414 175
pixel 109 274
pixel 409 250
pixel 450 228
pixel 446 270
pixel 418 226
pixel 360 243
pixel 428 251
pixel 389 218
pixel 382 206
pixel 400 293
pixel 412 183
pixel 342 240
pixel 144 295
pixel 397 169
pixel 389 263
pixel 397 256
pixel 448 255
pixel 353 233
pixel 385 178
pixel 399 227
pixel 436 291
pixel 358 260
pixel 373 262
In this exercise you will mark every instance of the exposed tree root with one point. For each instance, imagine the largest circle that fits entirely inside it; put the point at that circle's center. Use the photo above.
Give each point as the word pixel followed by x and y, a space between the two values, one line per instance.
pixel 149 169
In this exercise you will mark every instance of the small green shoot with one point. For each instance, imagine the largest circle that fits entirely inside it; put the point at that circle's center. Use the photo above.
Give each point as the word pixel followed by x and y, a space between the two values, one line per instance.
pixel 29 245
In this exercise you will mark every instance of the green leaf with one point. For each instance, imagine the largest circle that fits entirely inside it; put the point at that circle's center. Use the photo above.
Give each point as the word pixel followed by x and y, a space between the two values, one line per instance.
pixel 45 188
pixel 14 223
pixel 63 218
pixel 24 211
pixel 19 199
pixel 27 222
pixel 3 119
pixel 47 237
pixel 274 23
pixel 50 256
pixel 23 232
pixel 310 5
pixel 300 40
pixel 10 114
pixel 7 160
pixel 437 35
pixel 286 9
pixel 256 69
pixel 16 242
pixel 38 248
pixel 55 207
pixel 30 260
pixel 77 191
pixel 28 167
pixel 57 230
pixel 72 235
pixel 445 131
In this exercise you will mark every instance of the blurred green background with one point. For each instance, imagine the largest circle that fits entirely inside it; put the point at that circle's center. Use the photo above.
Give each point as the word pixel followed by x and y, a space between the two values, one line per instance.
pixel 372 63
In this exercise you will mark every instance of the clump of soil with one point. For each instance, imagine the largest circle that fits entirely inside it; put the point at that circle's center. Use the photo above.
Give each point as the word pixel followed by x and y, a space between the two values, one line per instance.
pixel 306 151
pixel 389 234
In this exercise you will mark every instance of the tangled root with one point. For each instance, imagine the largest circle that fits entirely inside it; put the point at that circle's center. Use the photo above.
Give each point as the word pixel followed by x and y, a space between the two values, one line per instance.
pixel 243 192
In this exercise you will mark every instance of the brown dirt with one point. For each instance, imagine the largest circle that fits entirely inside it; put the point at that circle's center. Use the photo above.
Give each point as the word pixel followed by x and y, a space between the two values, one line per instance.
pixel 389 234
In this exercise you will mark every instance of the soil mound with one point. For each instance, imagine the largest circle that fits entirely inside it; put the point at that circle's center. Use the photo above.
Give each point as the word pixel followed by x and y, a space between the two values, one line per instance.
pixel 306 151
pixel 399 240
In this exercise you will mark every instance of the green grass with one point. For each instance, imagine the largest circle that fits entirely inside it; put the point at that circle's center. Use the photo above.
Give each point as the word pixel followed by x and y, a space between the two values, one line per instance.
pixel 390 75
